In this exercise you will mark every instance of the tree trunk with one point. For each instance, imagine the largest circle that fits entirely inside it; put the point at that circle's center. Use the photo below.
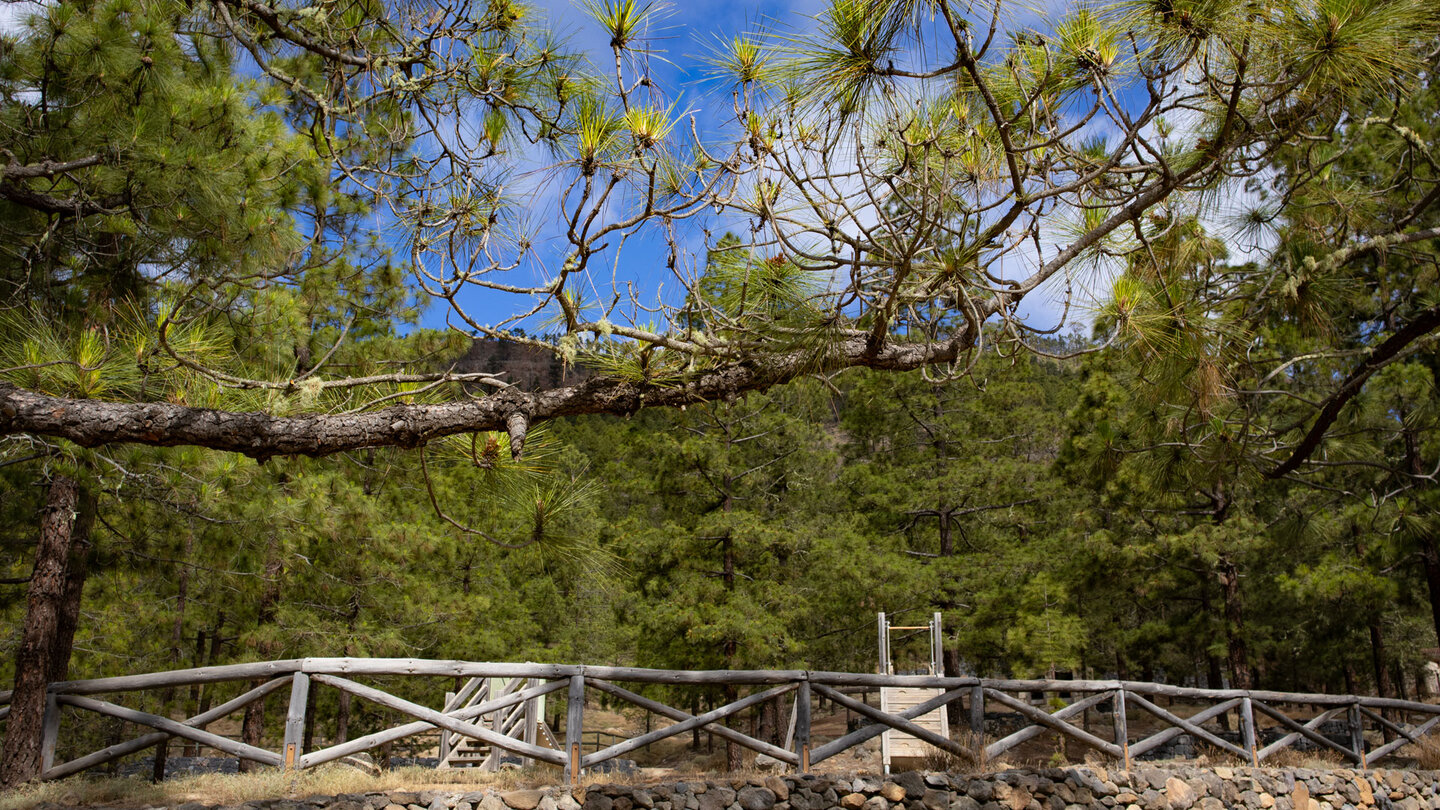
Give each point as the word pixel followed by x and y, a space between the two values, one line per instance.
pixel 77 570
pixel 1229 576
pixel 192 748
pixel 950 660
pixel 1429 550
pixel 252 728
pixel 342 719
pixel 162 756
pixel 309 739
pixel 733 759
pixel 1430 559
pixel 51 612
pixel 206 695
pixel 177 636
pixel 252 731
pixel 769 725
pixel 1383 687
pixel 1213 677
pixel 695 732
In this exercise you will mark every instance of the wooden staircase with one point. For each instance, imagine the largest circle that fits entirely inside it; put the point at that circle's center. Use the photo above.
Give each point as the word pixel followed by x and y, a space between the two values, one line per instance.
pixel 523 721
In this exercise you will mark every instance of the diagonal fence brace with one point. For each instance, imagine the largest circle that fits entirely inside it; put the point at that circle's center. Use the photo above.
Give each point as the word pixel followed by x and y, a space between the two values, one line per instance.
pixel 859 707
pixel 690 722
pixel 444 721
pixel 128 747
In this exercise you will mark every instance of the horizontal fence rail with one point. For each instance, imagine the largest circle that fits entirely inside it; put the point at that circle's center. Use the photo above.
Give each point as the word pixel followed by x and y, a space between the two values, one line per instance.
pixel 1256 713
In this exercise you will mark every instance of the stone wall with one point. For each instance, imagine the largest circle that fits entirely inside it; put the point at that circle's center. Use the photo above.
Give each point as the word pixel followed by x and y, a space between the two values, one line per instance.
pixel 1144 788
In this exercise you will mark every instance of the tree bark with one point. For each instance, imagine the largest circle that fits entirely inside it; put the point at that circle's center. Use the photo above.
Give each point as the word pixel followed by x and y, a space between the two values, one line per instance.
pixel 252 730
pixel 216 639
pixel 1214 679
pixel 192 748
pixel 90 423
pixel 177 636
pixel 342 719
pixel 1383 686
pixel 733 757
pixel 1229 576
pixel 1430 560
pixel 950 660
pixel 947 542
pixel 1429 549
pixel 695 732
pixel 77 571
pixel 51 613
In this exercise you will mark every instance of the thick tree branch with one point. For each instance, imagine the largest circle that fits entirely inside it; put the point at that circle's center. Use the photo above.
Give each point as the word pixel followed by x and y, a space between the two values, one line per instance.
pixel 64 206
pixel 91 422
pixel 1377 244
pixel 1427 321
pixel 48 168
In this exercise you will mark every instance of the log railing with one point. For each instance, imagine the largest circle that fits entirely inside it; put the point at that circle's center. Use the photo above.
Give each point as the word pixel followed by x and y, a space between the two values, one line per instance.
pixel 1391 724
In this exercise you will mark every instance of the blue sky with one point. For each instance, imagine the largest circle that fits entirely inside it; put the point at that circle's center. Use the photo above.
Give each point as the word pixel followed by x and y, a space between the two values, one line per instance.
pixel 684 34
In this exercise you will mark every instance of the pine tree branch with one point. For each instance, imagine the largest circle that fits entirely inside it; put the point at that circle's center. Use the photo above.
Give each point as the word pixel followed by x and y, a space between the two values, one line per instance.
pixel 46 168
pixel 1427 321
pixel 261 435
pixel 76 206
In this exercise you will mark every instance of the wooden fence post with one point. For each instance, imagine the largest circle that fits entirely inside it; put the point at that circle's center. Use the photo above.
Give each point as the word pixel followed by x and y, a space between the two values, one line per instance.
pixel 802 725
pixel 531 719
pixel 977 713
pixel 492 762
pixel 575 726
pixel 445 744
pixel 51 732
pixel 1122 727
pixel 1357 732
pixel 295 719
pixel 1247 729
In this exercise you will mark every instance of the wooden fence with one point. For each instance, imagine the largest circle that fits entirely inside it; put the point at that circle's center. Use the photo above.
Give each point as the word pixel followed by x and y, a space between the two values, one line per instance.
pixel 1390 724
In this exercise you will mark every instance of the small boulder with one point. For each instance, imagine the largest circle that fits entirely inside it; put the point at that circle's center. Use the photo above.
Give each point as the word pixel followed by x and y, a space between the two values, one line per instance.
pixel 1179 793
pixel 755 798
pixel 913 783
pixel 1300 798
pixel 713 800
pixel 595 800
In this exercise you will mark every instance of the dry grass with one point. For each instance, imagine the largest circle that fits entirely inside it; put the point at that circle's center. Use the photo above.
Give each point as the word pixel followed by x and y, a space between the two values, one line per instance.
pixel 1320 760
pixel 1425 753
pixel 325 780
pixel 954 763
pixel 1208 756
